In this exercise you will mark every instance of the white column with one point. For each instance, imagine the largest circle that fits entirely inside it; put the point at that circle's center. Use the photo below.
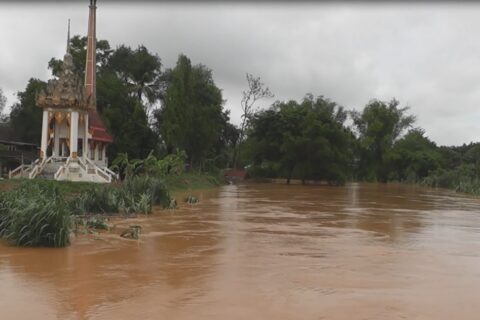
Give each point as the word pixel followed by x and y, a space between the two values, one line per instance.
pixel 43 145
pixel 105 155
pixel 97 152
pixel 73 134
pixel 86 149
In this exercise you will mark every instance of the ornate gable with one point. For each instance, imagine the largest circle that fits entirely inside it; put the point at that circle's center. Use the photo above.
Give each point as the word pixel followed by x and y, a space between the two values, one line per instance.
pixel 65 92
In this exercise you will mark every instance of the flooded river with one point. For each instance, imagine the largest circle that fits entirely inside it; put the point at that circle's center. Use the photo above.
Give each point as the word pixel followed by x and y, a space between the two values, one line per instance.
pixel 363 251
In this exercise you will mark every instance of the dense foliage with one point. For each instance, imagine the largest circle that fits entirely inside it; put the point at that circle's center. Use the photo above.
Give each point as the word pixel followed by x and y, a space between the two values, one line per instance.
pixel 305 139
pixel 192 116
pixel 153 113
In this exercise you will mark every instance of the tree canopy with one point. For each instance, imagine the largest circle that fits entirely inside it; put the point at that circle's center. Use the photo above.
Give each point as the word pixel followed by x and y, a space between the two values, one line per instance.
pixel 154 113
pixel 304 139
pixel 192 116
pixel 379 126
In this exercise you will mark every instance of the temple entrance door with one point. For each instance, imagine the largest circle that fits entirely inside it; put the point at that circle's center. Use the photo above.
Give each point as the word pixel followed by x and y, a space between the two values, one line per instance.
pixel 50 140
pixel 80 147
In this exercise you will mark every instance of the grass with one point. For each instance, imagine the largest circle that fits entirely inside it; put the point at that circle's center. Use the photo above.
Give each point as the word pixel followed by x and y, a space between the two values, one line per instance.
pixel 136 195
pixel 35 214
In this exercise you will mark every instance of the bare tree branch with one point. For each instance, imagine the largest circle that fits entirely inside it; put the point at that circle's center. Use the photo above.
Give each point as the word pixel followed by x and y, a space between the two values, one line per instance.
pixel 256 90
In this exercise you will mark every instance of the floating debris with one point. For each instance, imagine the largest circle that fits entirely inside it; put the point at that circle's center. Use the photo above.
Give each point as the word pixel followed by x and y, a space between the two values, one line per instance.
pixel 133 232
pixel 191 200
pixel 97 223
pixel 172 204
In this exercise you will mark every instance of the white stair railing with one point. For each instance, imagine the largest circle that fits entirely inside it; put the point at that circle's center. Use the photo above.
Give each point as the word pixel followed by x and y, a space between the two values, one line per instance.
pixel 62 169
pixel 39 167
pixel 112 173
pixel 22 169
pixel 98 171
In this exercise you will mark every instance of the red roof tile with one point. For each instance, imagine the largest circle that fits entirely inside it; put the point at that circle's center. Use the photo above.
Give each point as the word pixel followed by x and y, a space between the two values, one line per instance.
pixel 99 131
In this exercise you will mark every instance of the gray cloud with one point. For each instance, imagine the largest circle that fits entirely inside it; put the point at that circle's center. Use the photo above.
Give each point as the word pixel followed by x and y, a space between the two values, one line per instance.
pixel 425 55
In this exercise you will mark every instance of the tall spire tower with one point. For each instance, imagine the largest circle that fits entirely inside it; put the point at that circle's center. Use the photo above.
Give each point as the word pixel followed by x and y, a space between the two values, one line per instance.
pixel 90 66
pixel 68 37
pixel 73 139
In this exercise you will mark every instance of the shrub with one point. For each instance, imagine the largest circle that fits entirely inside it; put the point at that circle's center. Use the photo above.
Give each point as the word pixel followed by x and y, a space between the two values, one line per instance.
pixel 35 214
pixel 97 199
pixel 138 191
pixel 460 179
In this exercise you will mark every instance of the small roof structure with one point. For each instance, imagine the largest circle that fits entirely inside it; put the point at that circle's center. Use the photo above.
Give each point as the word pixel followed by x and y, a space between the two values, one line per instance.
pixel 97 128
pixel 9 136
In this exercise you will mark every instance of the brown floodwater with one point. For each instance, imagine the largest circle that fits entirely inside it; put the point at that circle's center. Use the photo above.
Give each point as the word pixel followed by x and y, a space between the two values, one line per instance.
pixel 265 251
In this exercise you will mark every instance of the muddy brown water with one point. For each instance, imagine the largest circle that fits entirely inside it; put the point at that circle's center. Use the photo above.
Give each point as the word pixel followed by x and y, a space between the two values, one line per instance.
pixel 363 251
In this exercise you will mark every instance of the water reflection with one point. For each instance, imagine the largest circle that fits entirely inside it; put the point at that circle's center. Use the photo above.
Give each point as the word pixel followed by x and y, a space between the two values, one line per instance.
pixel 264 251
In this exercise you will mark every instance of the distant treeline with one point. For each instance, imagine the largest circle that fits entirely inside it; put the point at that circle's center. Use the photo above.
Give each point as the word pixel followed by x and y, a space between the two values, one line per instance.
pixel 147 107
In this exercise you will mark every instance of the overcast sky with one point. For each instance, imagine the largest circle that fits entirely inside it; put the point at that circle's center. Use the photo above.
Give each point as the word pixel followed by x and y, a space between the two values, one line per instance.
pixel 426 55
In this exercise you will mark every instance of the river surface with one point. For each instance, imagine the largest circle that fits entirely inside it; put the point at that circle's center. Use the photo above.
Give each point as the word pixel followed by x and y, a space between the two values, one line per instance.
pixel 265 251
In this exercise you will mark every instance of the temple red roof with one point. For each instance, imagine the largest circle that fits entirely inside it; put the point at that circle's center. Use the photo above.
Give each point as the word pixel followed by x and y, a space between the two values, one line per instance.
pixel 97 128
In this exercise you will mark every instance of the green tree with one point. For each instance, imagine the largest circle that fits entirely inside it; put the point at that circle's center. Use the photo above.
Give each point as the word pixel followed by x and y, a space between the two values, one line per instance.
pixel 413 157
pixel 25 116
pixel 139 69
pixel 78 50
pixel 125 118
pixel 379 126
pixel 307 140
pixel 192 116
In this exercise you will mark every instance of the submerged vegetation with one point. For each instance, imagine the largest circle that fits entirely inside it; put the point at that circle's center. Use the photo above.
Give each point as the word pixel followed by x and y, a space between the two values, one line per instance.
pixel 35 214
pixel 44 213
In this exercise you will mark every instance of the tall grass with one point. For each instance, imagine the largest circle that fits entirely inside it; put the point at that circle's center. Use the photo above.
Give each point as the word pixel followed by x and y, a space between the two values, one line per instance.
pixel 96 200
pixel 137 195
pixel 464 179
pixel 35 214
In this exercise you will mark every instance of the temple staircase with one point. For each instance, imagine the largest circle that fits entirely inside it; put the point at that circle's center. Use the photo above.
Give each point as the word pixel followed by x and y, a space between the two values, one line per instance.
pixel 49 170
pixel 56 168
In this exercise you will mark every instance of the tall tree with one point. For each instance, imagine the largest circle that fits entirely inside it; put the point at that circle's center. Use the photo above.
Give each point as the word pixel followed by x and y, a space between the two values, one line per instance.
pixel 256 90
pixel 191 117
pixel 379 126
pixel 140 70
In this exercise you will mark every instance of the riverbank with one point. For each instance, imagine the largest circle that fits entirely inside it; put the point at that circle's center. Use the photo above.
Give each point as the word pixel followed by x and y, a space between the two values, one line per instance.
pixel 174 183
pixel 40 212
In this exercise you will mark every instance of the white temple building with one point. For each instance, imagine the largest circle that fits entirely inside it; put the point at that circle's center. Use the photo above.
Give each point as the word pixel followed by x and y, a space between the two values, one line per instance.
pixel 74 138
